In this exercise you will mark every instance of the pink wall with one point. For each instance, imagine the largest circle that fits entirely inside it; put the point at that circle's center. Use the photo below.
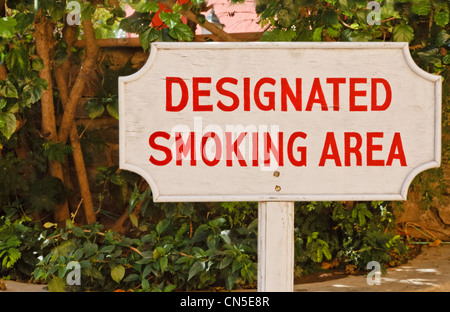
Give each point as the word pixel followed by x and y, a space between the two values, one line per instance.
pixel 236 18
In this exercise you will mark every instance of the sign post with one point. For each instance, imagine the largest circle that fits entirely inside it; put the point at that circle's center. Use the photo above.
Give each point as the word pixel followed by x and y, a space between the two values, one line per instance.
pixel 277 123
pixel 276 246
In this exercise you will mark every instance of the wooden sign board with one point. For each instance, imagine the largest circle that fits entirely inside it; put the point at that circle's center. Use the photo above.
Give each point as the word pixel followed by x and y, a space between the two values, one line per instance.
pixel 279 121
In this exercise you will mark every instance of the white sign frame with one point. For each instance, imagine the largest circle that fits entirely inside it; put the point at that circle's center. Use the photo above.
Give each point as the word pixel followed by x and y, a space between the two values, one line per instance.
pixel 160 197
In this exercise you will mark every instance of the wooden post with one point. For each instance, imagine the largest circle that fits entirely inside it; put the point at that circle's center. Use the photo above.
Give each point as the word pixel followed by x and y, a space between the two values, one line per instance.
pixel 276 246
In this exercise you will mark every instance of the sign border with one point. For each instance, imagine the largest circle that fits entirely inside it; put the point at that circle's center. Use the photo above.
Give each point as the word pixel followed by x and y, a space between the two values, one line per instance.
pixel 156 46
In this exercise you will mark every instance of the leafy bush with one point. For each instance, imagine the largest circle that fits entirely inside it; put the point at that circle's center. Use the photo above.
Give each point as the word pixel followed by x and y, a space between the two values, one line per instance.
pixel 169 255
pixel 353 234
pixel 19 247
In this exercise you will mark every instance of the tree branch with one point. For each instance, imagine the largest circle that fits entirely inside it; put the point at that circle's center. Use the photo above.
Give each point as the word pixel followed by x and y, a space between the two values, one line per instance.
pixel 44 43
pixel 3 72
pixel 80 167
pixel 88 65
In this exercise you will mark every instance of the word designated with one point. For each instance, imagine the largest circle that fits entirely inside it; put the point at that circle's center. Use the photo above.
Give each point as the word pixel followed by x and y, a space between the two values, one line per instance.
pixel 280 92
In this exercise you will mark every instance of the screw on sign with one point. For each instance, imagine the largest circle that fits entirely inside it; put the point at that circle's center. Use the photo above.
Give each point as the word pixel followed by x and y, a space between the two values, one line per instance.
pixel 319 121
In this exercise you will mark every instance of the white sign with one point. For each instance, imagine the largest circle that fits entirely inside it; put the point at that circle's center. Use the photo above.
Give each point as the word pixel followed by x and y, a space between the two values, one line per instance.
pixel 279 121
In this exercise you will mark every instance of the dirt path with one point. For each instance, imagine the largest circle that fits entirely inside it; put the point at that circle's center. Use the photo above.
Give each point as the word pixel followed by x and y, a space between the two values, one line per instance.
pixel 428 272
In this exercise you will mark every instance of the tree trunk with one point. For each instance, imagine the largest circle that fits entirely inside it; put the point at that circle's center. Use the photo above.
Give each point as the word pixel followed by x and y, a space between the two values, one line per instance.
pixel 61 74
pixel 43 34
pixel 89 64
pixel 3 72
pixel 77 152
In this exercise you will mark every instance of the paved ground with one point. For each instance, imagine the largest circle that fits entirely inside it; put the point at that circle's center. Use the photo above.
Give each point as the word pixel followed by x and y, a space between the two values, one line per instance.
pixel 22 287
pixel 428 272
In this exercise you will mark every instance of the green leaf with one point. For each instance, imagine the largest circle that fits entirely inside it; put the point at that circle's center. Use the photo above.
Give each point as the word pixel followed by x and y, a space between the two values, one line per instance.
pixel 56 284
pixel 237 265
pixel 117 179
pixel 403 33
pixel 87 11
pixel 317 34
pixel 17 61
pixel 57 151
pixel 330 17
pixel 117 273
pixel 131 278
pixel 135 23
pixel 446 59
pixel 78 254
pixel 231 279
pixel 107 249
pixel 78 232
pixel 90 249
pixel 37 64
pixel 421 7
pixel 7 124
pixel 146 271
pixel 277 34
pixel 147 37
pixel 24 20
pixel 441 18
pixel 32 92
pixel 113 109
pixel 169 288
pixel 200 233
pixel 170 19
pixel 225 235
pixel 213 241
pixel 441 38
pixel 94 108
pixel 3 102
pixel 388 10
pixel 225 262
pixel 181 32
pixel 145 285
pixel 57 10
pixel 146 6
pixel 134 199
pixel 60 56
pixel 162 226
pixel 7 25
pixel 7 89
pixel 347 6
pixel 163 263
pixel 196 268
pixel 94 273
pixel 134 220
